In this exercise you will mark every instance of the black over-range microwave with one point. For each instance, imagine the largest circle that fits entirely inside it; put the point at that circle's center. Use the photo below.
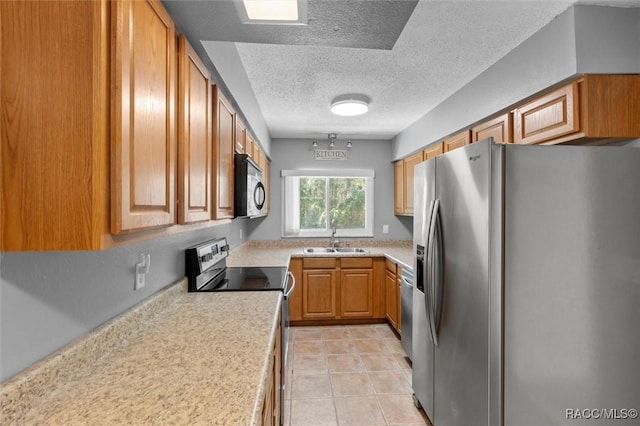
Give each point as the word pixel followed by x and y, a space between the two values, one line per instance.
pixel 250 193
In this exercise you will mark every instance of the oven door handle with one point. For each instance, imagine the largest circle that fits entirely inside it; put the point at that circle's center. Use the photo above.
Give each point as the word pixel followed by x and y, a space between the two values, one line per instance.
pixel 293 279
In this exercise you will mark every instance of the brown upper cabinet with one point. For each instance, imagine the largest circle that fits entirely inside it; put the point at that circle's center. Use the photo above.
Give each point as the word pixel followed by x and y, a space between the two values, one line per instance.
pixel 398 187
pixel 194 144
pixel 433 150
pixel 241 136
pixel 458 140
pixel 409 164
pixel 224 145
pixel 403 182
pixel 143 107
pixel 592 109
pixel 98 155
pixel 250 145
pixel 499 128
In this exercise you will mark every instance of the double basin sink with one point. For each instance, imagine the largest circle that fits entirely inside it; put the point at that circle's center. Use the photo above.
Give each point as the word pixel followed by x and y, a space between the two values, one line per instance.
pixel 334 250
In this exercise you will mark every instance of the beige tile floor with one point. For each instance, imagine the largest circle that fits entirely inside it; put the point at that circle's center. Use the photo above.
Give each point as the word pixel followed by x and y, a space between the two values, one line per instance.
pixel 348 375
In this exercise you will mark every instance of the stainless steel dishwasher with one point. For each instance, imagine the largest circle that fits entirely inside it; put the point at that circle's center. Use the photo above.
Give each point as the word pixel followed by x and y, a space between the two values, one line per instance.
pixel 406 278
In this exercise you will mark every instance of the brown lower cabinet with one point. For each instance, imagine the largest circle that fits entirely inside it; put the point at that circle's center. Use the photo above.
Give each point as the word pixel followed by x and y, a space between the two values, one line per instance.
pixel 392 295
pixel 337 289
pixel 271 405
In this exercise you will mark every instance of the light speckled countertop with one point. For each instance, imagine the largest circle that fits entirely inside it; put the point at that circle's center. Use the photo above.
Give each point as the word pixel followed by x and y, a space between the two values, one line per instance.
pixel 278 252
pixel 202 358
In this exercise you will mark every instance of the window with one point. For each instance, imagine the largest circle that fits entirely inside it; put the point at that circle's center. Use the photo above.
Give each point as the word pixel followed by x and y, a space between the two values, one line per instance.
pixel 315 201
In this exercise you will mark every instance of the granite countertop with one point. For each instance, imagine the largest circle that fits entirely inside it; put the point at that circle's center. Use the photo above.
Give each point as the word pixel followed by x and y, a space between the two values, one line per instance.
pixel 202 358
pixel 278 252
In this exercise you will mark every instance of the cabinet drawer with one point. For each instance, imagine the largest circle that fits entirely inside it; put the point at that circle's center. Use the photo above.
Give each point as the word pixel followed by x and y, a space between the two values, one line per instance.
pixel 318 262
pixel 356 262
pixel 391 266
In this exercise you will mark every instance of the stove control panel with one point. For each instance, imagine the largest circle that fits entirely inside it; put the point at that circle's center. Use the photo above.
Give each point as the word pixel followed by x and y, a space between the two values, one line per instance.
pixel 204 257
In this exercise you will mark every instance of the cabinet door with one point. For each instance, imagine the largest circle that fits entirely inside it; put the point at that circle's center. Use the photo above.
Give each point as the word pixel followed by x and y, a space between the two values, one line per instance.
pixel 224 144
pixel 433 150
pixel 194 129
pixel 241 136
pixel 398 187
pixel 498 128
pixel 548 117
pixel 392 299
pixel 295 300
pixel 54 125
pixel 143 151
pixel 456 141
pixel 399 304
pixel 409 164
pixel 356 293
pixel 250 145
pixel 319 294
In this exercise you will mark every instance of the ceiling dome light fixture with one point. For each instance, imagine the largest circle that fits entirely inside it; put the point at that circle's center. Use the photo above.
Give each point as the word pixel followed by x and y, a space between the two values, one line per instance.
pixel 350 105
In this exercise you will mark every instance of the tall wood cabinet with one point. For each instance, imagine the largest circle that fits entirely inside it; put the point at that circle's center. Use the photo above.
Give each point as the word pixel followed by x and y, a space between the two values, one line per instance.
pixel 143 113
pixel 240 136
pixel 88 122
pixel 403 183
pixel 398 187
pixel 224 146
pixel 194 144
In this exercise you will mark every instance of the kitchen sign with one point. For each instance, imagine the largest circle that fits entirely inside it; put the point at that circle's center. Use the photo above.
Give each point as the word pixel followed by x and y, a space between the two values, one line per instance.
pixel 330 155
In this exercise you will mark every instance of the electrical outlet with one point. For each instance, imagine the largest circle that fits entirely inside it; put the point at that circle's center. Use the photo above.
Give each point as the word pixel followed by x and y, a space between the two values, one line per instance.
pixel 140 279
pixel 240 233
pixel 142 269
pixel 385 229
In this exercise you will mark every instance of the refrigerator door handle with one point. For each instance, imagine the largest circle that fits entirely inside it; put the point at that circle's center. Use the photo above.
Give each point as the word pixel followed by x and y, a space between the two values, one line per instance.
pixel 430 273
pixel 438 271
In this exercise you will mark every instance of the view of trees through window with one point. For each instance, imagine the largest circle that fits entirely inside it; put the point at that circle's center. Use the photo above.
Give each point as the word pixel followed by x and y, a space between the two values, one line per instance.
pixel 324 200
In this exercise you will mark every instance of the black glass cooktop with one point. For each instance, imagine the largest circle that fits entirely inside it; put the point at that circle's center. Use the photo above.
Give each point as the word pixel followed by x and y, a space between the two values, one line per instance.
pixel 248 279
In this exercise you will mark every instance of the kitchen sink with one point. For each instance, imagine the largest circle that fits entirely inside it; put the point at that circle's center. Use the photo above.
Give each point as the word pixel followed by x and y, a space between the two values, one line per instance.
pixel 350 250
pixel 318 250
pixel 334 250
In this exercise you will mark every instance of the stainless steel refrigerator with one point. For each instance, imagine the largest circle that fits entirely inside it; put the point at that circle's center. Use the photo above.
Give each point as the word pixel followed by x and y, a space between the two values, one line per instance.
pixel 526 304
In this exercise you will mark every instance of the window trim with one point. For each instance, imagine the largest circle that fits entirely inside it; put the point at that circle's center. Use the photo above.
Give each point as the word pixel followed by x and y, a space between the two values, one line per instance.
pixel 368 175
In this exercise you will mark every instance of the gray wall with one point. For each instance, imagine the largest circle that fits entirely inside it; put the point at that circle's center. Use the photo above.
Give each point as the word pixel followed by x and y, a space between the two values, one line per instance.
pixel 290 154
pixel 230 69
pixel 47 299
pixel 584 39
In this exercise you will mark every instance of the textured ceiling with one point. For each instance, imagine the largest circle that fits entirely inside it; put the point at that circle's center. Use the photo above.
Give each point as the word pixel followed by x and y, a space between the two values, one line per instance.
pixel 406 62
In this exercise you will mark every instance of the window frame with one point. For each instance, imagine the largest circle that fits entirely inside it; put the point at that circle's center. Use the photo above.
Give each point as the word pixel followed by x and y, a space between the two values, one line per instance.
pixel 288 230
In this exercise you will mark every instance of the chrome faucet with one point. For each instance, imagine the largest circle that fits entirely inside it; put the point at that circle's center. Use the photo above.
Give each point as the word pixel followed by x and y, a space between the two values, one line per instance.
pixel 334 242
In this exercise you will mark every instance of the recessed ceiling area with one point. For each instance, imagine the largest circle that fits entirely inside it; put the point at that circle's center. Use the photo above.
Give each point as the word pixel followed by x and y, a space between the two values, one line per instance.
pixel 405 56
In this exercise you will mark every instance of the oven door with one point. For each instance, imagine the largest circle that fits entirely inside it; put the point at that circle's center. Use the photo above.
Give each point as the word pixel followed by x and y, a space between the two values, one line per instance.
pixel 290 283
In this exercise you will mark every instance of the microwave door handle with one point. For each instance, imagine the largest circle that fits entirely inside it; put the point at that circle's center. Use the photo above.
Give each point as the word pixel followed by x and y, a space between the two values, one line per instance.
pixel 259 199
pixel 293 280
